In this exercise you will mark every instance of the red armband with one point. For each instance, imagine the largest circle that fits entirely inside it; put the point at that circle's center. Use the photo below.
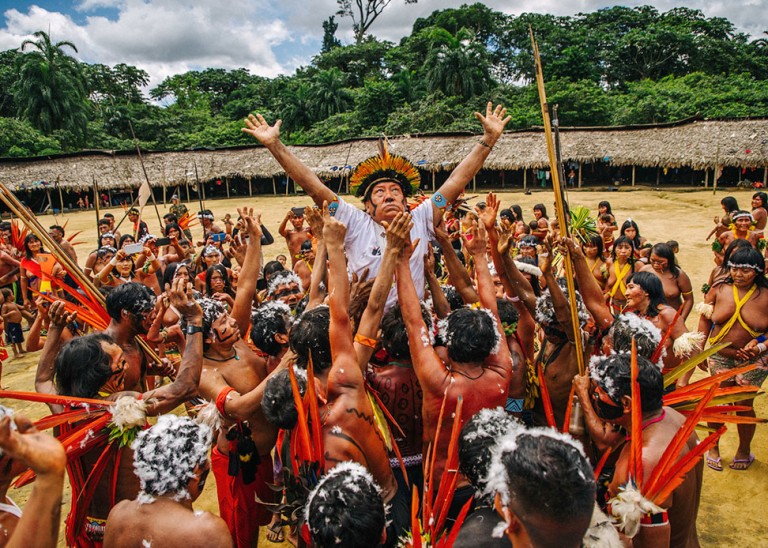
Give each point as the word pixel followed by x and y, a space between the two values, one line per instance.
pixel 651 520
pixel 221 399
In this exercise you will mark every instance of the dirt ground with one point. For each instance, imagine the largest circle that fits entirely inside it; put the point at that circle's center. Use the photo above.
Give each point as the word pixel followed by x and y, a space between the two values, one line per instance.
pixel 730 504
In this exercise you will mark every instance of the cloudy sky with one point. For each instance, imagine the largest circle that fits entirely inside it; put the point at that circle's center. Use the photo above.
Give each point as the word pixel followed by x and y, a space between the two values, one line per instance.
pixel 269 37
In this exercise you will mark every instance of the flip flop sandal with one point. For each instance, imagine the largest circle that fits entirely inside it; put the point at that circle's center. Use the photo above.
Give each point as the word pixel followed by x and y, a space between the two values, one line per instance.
pixel 743 463
pixel 275 533
pixel 715 464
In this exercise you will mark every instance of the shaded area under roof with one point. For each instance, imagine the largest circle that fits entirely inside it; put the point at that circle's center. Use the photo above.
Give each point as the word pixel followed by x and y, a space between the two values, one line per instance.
pixel 693 143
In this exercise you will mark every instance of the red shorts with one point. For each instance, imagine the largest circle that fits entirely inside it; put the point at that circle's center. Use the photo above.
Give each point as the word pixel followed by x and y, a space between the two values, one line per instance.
pixel 237 501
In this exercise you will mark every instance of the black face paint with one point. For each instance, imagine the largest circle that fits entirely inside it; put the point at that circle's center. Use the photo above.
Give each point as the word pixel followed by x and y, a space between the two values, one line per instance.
pixel 224 339
pixel 605 410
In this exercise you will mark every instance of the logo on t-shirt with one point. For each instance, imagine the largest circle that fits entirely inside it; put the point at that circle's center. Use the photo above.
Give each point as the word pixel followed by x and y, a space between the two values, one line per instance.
pixel 376 251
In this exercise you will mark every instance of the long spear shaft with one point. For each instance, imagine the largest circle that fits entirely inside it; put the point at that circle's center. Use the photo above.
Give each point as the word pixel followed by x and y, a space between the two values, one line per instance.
pixel 96 200
pixel 199 190
pixel 74 270
pixel 146 177
pixel 559 203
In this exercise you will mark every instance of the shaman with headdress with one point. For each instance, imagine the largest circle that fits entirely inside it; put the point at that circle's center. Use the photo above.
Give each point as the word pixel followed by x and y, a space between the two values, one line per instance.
pixel 384 182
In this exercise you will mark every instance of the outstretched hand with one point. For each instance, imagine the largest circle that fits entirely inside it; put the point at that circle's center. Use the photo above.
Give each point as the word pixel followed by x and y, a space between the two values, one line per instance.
pixel 333 231
pixel 314 218
pixel 490 213
pixel 180 296
pixel 475 241
pixel 506 238
pixel 43 453
pixel 545 257
pixel 59 315
pixel 252 223
pixel 493 122
pixel 261 130
pixel 399 231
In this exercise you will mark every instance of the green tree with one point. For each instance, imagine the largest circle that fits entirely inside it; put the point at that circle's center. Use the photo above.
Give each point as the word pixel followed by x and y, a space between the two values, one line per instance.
pixel 375 101
pixel 50 90
pixel 329 35
pixel 297 110
pixel 358 61
pixel 329 93
pixel 457 65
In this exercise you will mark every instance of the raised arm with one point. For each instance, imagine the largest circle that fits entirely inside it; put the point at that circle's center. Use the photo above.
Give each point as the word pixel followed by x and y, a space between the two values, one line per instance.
pixel 397 235
pixel 493 125
pixel 521 287
pixel 457 274
pixel 283 228
pixel 246 282
pixel 269 136
pixel 184 387
pixel 591 293
pixel 44 454
pixel 427 364
pixel 488 218
pixel 46 365
pixel 559 300
pixel 314 219
pixel 439 300
pixel 344 372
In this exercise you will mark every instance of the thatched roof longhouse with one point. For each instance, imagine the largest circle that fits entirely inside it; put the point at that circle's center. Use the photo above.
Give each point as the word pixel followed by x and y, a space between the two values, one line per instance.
pixel 697 144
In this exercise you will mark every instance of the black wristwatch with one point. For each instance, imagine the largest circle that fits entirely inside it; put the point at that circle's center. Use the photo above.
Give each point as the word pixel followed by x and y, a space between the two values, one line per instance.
pixel 192 329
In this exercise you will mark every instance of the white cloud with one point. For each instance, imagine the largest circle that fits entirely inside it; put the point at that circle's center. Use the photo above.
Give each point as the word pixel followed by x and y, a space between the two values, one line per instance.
pixel 269 37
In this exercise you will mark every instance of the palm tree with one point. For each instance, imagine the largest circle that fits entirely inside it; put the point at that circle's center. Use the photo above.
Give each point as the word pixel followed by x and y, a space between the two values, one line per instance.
pixel 329 93
pixel 457 65
pixel 297 108
pixel 50 91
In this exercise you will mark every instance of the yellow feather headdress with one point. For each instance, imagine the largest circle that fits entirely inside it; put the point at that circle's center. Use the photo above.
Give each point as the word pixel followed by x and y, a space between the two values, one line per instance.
pixel 384 167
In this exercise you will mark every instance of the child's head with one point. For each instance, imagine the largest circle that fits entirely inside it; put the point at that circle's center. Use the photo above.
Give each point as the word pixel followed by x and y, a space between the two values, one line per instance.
pixel 7 295
pixel 606 218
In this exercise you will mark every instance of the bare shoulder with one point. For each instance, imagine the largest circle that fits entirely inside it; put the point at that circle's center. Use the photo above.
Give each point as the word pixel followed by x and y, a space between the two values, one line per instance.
pixel 212 528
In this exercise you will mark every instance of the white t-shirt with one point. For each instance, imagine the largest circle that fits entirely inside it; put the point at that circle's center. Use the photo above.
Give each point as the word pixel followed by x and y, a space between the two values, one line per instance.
pixel 366 240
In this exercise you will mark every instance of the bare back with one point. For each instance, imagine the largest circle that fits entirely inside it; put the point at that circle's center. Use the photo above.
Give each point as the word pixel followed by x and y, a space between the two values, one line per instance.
pixel 164 523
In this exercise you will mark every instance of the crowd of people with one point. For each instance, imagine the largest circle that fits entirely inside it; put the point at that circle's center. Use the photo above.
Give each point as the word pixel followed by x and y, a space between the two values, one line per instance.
pixel 413 372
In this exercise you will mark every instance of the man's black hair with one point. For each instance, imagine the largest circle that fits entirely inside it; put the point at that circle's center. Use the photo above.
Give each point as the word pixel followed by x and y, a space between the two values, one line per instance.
pixel 477 440
pixel 104 222
pixel 454 297
pixel 278 404
pixel 269 319
pixel 394 337
pixel 82 366
pixel 271 267
pixel 346 510
pixel 507 312
pixel 614 375
pixel 132 297
pixel 109 216
pixel 170 217
pixel 623 331
pixel 652 285
pixel 470 335
pixel 552 480
pixel 57 227
pixel 309 336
